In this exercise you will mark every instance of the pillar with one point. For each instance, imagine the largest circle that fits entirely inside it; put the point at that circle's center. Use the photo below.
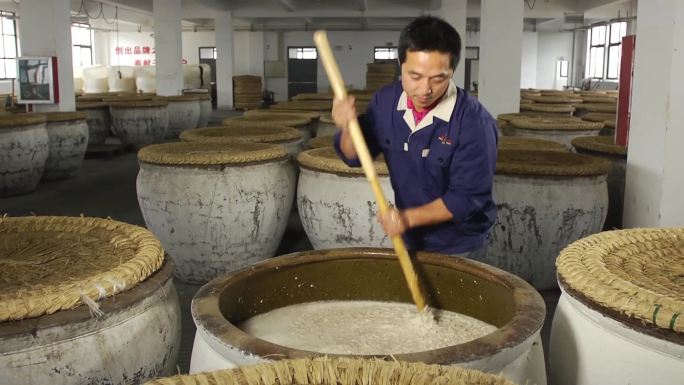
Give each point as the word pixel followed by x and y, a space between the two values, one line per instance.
pixel 223 27
pixel 168 46
pixel 455 13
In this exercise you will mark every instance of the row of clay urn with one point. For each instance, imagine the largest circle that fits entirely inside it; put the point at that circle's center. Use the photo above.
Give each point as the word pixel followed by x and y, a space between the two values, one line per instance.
pixel 35 147
pixel 140 119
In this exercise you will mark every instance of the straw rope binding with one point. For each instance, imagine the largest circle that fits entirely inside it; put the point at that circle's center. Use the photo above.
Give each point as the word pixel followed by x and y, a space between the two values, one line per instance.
pixel 140 104
pixel 529 114
pixel 338 371
pixel 260 134
pixel 598 117
pixel 179 98
pixel 210 154
pixel 290 120
pixel 544 107
pixel 304 105
pixel 322 141
pixel 66 116
pixel 598 107
pixel 261 112
pixel 20 120
pixel 91 105
pixel 313 96
pixel 600 144
pixel 554 99
pixel 636 272
pixel 545 124
pixel 50 264
pixel 550 163
pixel 529 144
pixel 326 159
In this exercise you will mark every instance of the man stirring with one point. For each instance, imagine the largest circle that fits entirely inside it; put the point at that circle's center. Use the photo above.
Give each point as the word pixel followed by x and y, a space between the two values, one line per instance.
pixel 438 141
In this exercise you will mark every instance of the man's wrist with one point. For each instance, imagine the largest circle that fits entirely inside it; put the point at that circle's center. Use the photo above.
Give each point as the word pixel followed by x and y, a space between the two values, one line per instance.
pixel 406 218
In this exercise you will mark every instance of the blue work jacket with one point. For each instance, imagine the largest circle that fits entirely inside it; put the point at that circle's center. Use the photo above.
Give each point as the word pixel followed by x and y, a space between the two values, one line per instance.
pixel 451 155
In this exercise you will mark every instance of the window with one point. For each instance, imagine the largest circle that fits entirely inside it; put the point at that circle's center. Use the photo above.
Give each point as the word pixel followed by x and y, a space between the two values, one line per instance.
pixel 302 53
pixel 8 46
pixel 82 45
pixel 207 53
pixel 562 68
pixel 385 53
pixel 603 50
pixel 617 32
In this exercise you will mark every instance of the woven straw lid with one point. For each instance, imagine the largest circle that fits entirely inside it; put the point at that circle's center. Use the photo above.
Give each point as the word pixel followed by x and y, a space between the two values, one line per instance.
pixel 326 159
pixel 510 116
pixel 90 98
pixel 636 273
pixel 554 99
pixel 327 118
pixel 529 144
pixel 338 371
pixel 313 96
pixel 178 98
pixel 546 107
pixel 290 120
pixel 304 105
pixel 65 116
pixel 309 114
pixel 258 134
pixel 140 104
pixel 609 123
pixel 128 98
pixel 599 99
pixel 598 117
pixel 591 93
pixel 557 93
pixel 598 107
pixel 322 141
pixel 20 120
pixel 210 154
pixel 600 144
pixel 57 263
pixel 90 105
pixel 559 124
pixel 549 163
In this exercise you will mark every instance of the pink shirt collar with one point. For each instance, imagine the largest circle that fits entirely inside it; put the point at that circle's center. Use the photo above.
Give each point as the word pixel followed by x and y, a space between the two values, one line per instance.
pixel 419 115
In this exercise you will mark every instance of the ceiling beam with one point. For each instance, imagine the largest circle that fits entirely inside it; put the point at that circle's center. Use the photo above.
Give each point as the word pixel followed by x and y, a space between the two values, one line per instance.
pixel 288 5
pixel 586 5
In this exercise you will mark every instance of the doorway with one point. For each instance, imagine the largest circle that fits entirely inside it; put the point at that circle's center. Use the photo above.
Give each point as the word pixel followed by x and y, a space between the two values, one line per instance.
pixel 302 70
pixel 207 55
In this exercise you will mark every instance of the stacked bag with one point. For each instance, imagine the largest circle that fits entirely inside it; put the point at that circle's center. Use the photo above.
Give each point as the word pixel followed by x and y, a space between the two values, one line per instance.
pixel 247 92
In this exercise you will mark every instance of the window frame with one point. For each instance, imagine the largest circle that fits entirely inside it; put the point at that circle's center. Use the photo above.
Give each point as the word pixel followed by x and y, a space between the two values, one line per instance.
pixel 610 45
pixel 199 53
pixel 605 47
pixel 391 50
pixel 81 47
pixel 8 16
pixel 302 51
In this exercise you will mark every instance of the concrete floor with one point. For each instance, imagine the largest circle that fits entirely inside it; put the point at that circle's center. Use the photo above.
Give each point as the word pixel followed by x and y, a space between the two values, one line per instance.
pixel 106 188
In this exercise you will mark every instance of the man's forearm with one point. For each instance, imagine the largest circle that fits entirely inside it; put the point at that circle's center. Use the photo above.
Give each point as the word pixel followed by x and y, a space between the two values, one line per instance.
pixel 432 213
pixel 347 146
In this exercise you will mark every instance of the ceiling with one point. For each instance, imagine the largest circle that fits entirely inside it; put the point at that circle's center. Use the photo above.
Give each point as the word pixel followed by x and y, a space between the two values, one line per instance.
pixel 284 15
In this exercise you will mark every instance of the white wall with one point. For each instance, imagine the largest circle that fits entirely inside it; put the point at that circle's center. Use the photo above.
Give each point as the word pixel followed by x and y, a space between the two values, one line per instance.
pixel 249 48
pixel 249 53
pixel 192 41
pixel 552 46
pixel 528 68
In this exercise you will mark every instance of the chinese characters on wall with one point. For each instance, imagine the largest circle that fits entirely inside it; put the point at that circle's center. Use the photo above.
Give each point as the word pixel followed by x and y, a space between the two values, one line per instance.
pixel 138 55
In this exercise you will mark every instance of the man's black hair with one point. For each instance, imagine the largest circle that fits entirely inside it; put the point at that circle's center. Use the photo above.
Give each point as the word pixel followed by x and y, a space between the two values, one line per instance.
pixel 429 33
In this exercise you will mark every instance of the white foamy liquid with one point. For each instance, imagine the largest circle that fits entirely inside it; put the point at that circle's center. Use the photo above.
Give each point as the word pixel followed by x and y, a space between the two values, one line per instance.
pixel 363 327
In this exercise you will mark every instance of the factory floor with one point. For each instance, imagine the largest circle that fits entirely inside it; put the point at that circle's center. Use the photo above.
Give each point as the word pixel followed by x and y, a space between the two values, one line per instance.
pixel 105 187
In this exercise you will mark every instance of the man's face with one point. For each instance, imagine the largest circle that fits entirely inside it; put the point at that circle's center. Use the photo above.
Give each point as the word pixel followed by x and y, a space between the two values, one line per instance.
pixel 425 76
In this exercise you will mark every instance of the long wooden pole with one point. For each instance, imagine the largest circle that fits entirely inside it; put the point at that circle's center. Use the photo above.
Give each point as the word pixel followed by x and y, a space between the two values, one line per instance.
pixel 330 65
